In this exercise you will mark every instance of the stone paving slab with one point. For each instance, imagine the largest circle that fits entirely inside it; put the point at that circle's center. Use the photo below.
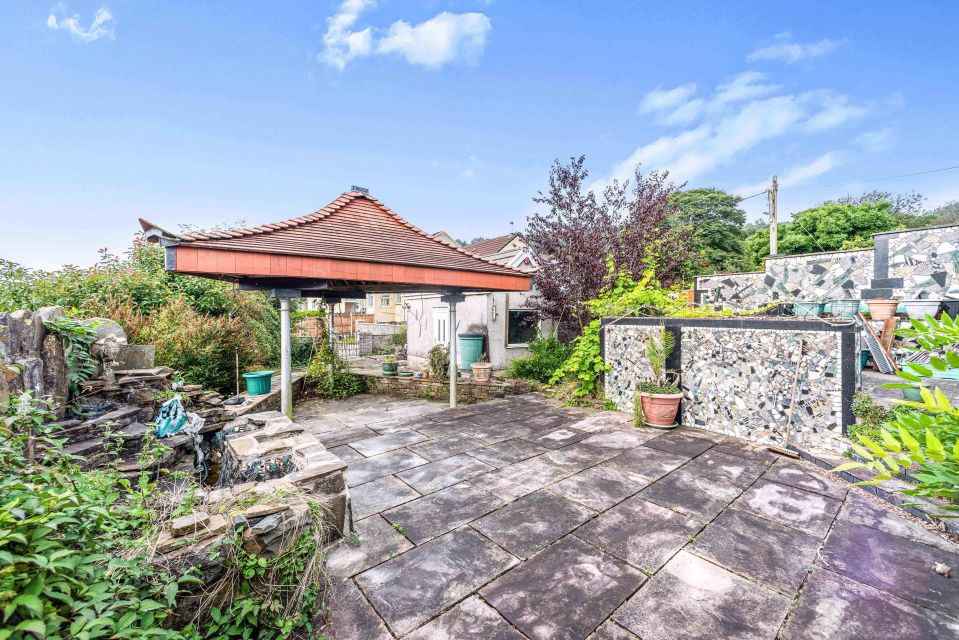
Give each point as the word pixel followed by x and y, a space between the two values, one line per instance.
pixel 434 476
pixel 421 583
pixel 382 465
pixel 381 444
pixel 859 510
pixel 344 436
pixel 770 553
pixel 557 438
pixel 896 565
pixel 680 443
pixel 516 480
pixel 503 454
pixel 346 453
pixel 447 447
pixel 801 477
pixel 834 607
pixel 611 631
pixel 351 616
pixel 578 456
pixel 599 488
pixel 643 534
pixel 693 495
pixel 563 593
pixel 803 510
pixel 471 619
pixel 375 541
pixel 693 598
pixel 533 522
pixel 379 495
pixel 726 468
pixel 493 433
pixel 439 512
pixel 647 463
pixel 545 420
pixel 619 440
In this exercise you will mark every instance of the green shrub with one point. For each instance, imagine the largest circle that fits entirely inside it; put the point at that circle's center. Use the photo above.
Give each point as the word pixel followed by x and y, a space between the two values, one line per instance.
pixel 73 561
pixel 546 355
pixel 438 361
pixel 330 375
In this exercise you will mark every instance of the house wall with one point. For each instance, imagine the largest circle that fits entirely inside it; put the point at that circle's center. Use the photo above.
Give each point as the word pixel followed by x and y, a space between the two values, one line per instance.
pixel 476 312
pixel 903 264
pixel 737 376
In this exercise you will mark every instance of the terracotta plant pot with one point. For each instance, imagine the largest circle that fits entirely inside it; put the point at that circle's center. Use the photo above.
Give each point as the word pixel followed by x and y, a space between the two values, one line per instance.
pixel 660 409
pixel 882 308
pixel 482 371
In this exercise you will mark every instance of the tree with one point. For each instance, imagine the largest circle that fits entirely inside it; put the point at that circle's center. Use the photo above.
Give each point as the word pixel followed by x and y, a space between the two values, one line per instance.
pixel 581 231
pixel 717 223
pixel 829 227
pixel 946 214
pixel 908 209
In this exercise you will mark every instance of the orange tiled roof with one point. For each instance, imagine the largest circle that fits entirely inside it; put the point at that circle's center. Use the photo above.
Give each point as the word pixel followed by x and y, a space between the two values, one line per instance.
pixel 490 246
pixel 355 226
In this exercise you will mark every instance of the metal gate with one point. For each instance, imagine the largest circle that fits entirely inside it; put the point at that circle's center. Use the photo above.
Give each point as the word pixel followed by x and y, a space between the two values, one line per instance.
pixel 347 344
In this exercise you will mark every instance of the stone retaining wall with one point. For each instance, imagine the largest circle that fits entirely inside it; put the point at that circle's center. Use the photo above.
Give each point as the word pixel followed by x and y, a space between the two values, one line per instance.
pixel 466 391
pixel 905 264
pixel 737 375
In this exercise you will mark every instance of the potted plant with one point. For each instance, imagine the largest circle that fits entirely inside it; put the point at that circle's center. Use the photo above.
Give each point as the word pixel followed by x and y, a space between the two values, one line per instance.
pixel 918 309
pixel 882 308
pixel 804 309
pixel 482 369
pixel 389 366
pixel 658 397
pixel 845 307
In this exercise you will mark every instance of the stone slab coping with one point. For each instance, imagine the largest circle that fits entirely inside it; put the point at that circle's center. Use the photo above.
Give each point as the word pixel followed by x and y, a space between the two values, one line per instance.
pixel 917 507
pixel 782 323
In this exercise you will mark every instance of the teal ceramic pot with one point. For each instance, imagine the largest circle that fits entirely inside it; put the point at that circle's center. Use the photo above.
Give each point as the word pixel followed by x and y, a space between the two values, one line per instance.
pixel 912 394
pixel 258 383
pixel 845 308
pixel 863 358
pixel 808 309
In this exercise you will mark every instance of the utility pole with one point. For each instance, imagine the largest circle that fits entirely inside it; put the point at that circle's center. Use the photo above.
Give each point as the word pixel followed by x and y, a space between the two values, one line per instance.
pixel 773 194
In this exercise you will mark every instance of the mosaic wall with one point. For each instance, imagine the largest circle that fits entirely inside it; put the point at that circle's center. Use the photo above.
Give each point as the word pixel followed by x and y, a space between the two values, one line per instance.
pixel 815 277
pixel 738 381
pixel 926 260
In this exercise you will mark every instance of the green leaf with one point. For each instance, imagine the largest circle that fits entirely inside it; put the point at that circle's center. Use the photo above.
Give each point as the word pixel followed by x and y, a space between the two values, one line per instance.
pixel 36 627
pixel 891 443
pixel 921 370
pixel 846 466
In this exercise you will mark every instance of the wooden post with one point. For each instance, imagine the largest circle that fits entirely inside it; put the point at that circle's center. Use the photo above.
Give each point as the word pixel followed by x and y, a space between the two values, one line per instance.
pixel 773 194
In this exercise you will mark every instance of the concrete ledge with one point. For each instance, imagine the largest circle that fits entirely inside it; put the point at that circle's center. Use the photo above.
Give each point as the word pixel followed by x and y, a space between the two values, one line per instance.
pixel 466 390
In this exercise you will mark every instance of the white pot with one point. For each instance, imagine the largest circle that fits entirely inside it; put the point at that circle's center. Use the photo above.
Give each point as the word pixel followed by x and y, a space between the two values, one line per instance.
pixel 917 309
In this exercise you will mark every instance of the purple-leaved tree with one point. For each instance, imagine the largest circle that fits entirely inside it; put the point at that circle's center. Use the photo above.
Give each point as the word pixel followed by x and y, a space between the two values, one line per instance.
pixel 631 222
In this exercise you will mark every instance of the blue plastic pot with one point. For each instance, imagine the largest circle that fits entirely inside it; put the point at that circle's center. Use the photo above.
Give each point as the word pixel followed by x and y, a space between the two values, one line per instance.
pixel 470 348
pixel 258 382
pixel 845 308
pixel 808 309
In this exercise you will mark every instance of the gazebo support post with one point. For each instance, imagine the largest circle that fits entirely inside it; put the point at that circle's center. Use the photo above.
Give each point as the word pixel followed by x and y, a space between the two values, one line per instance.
pixel 331 303
pixel 451 299
pixel 286 364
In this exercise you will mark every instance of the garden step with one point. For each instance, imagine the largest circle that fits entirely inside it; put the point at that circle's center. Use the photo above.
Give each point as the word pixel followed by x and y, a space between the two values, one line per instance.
pixel 122 417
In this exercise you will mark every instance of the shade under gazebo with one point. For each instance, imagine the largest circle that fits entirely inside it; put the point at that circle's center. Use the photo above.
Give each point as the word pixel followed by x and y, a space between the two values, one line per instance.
pixel 353 246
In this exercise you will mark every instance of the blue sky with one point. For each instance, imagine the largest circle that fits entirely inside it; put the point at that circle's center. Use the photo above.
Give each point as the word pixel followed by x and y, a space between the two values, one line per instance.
pixel 450 111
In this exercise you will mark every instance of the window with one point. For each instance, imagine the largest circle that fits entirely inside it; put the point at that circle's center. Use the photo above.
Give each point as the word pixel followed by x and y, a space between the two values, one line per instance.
pixel 441 321
pixel 386 300
pixel 521 327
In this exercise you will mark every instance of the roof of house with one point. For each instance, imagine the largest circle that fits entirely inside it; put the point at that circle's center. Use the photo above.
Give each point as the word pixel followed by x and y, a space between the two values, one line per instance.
pixel 355 226
pixel 491 245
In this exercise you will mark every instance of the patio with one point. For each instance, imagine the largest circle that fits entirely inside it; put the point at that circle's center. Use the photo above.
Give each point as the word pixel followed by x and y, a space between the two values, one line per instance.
pixel 517 518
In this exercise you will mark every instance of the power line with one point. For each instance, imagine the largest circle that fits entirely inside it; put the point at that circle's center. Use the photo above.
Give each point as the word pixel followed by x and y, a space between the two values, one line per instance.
pixel 761 193
pixel 853 182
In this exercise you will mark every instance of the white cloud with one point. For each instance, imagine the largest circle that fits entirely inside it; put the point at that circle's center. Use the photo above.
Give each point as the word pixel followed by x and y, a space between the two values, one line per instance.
pixel 875 140
pixel 469 174
pixel 789 52
pixel 739 115
pixel 100 27
pixel 444 38
pixel 795 175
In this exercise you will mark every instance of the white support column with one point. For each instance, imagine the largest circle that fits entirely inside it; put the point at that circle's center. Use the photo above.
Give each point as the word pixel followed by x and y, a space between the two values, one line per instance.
pixel 451 300
pixel 286 365
pixel 286 362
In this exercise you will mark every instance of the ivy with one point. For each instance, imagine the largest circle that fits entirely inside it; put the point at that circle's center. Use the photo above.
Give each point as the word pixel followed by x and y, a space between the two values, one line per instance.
pixel 77 339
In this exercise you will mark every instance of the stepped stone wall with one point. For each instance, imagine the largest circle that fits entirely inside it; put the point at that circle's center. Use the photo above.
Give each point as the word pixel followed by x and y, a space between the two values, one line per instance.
pixel 737 376
pixel 918 263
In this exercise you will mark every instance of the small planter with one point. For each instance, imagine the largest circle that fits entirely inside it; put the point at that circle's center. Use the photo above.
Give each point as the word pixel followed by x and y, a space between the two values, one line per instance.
pixel 258 383
pixel 482 371
pixel 808 309
pixel 405 374
pixel 882 308
pixel 660 409
pixel 845 308
pixel 389 368
pixel 917 309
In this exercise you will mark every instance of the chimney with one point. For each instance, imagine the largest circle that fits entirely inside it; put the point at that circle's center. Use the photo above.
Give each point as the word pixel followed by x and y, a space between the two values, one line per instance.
pixel 358 189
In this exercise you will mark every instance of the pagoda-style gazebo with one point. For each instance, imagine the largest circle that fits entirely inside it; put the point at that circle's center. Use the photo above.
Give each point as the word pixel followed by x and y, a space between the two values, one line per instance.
pixel 353 246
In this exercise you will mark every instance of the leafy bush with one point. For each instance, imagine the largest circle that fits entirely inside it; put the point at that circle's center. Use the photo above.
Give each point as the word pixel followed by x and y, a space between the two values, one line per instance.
pixel 438 360
pixel 77 339
pixel 331 376
pixel 546 355
pixel 72 561
pixel 149 302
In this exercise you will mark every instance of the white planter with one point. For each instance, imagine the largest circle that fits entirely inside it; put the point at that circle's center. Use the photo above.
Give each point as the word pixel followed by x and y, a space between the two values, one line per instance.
pixel 917 309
